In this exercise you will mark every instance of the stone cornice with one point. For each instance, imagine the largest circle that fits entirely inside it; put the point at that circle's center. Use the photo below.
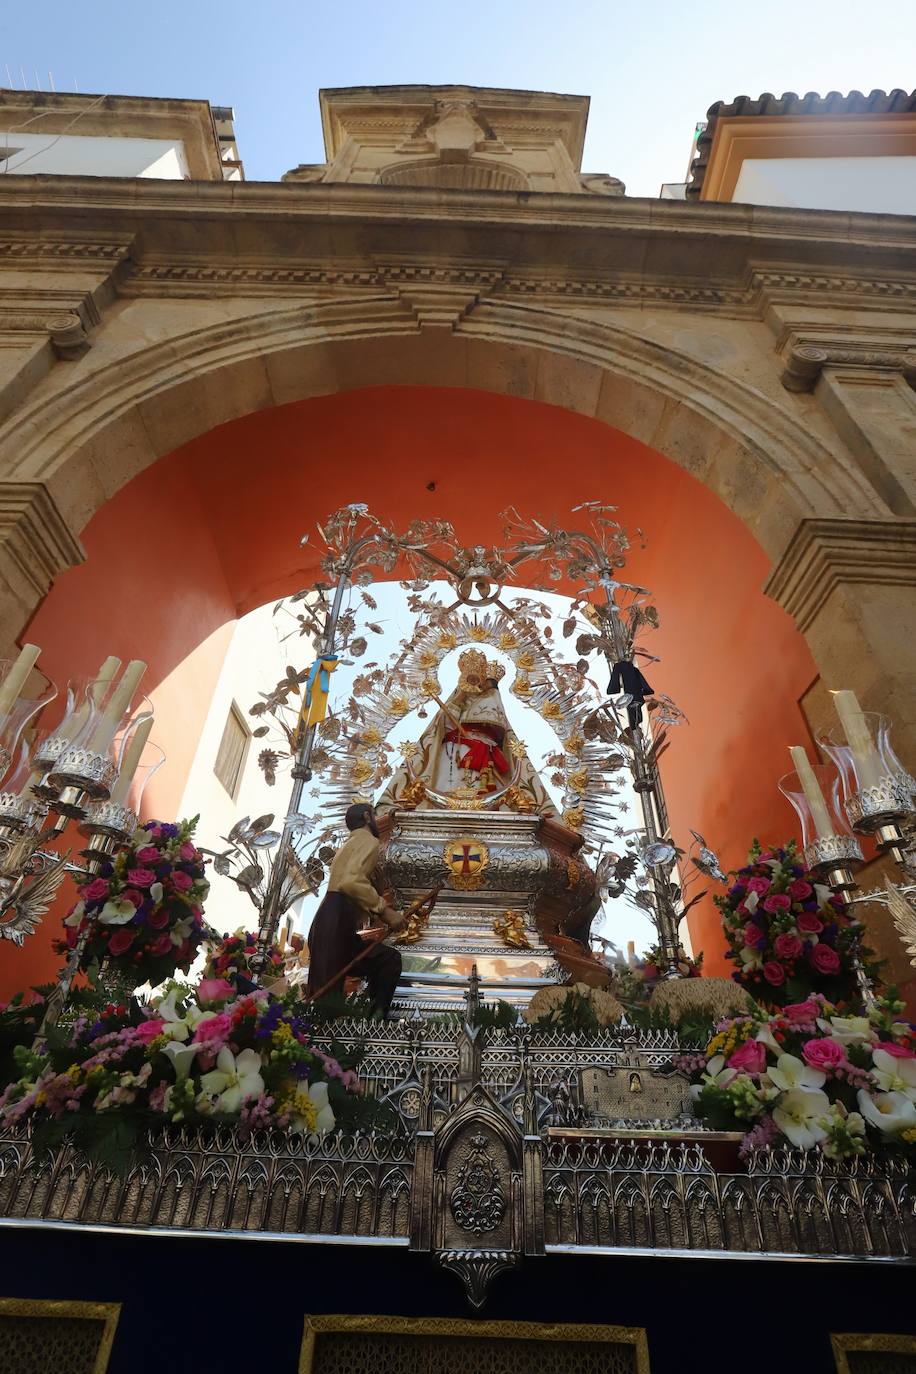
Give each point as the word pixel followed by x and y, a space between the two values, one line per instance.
pixel 134 202
pixel 826 554
pixel 193 238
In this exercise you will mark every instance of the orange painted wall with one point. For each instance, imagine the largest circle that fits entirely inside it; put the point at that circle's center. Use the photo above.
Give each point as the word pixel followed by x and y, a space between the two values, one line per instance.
pixel 151 588
pixel 213 531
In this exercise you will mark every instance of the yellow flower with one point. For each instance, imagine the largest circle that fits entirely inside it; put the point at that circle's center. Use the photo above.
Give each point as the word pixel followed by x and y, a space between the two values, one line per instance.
pixel 281 1036
pixel 398 705
pixel 909 1135
pixel 370 737
pixel 574 818
pixel 430 686
pixel 428 659
pixel 507 640
pixel 521 687
pixel 578 780
pixel 303 1107
pixel 525 662
pixel 447 640
pixel 40 1099
pixel 551 711
pixel 479 634
pixel 574 745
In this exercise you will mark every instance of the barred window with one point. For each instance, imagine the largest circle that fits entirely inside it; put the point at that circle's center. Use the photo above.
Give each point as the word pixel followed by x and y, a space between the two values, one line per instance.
pixel 233 748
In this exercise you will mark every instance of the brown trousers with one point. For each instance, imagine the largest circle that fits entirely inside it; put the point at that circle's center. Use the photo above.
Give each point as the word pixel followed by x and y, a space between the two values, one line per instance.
pixel 333 942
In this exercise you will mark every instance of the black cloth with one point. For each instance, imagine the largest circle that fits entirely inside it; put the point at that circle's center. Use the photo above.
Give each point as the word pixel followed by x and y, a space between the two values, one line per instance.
pixel 333 942
pixel 626 677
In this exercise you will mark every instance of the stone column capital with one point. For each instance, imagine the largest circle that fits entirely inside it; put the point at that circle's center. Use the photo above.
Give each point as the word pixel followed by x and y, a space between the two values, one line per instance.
pixel 825 554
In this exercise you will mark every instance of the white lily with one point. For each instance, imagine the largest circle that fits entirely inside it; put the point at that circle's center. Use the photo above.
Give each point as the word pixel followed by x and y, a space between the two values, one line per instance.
pixel 117 913
pixel 799 1115
pixel 790 1073
pixel 76 915
pixel 751 901
pixel 750 957
pixel 182 929
pixel 715 1075
pixel 155 891
pixel 178 1025
pixel 311 1110
pixel 890 1112
pixel 894 1075
pixel 849 1030
pixel 233 1081
pixel 182 1057
pixel 766 1037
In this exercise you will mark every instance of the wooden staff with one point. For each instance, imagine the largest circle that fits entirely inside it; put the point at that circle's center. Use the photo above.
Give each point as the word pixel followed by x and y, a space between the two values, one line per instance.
pixel 377 933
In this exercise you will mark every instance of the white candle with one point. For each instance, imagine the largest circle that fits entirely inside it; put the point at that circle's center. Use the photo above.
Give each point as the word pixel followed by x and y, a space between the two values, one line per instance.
pixel 96 692
pixel 14 681
pixel 131 761
pixel 823 826
pixel 869 767
pixel 118 703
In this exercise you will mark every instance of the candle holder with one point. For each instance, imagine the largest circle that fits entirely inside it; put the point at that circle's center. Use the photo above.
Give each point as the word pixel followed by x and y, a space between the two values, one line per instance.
pixel 830 848
pixel 877 790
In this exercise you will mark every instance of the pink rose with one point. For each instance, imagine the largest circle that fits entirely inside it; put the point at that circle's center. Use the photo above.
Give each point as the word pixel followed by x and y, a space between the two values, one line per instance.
pixel 800 1012
pixel 216 1027
pixel 799 890
pixel 141 877
pixel 148 1030
pixel 752 934
pixel 777 902
pixel 158 919
pixel 787 946
pixel 121 940
pixel 130 894
pixel 823 1054
pixel 161 946
pixel 96 889
pixel 751 1057
pixel 898 1051
pixel 825 959
pixel 809 924
pixel 214 990
pixel 774 973
pixel 181 881
pixel 149 854
pixel 188 852
pixel 760 885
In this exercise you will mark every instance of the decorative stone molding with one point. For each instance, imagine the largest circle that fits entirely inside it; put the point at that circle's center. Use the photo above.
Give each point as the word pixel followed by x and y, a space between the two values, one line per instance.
pixel 826 554
pixel 806 356
pixel 34 535
pixel 68 337
pixel 439 308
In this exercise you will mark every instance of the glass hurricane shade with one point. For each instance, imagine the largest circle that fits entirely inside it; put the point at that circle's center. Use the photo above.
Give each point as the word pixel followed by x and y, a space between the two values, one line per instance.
pixel 136 758
pixel 17 718
pixel 857 766
pixel 87 697
pixel 811 818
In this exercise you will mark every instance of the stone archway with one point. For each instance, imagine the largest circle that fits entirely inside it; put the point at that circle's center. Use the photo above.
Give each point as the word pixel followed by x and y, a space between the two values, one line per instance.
pixel 154 383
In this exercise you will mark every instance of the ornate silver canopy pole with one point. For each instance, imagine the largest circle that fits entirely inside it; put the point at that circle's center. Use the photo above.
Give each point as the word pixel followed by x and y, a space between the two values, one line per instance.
pixel 647 781
pixel 273 906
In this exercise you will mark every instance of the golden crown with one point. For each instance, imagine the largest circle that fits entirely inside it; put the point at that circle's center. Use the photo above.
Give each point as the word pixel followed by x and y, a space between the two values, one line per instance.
pixel 476 670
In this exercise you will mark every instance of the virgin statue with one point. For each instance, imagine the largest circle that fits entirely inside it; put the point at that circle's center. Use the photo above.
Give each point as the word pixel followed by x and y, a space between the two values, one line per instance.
pixel 468 756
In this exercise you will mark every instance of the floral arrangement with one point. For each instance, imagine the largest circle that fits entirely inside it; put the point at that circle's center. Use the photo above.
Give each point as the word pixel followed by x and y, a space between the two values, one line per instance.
pixel 190 1056
pixel 635 978
pixel 144 911
pixel 788 934
pixel 808 1077
pixel 233 957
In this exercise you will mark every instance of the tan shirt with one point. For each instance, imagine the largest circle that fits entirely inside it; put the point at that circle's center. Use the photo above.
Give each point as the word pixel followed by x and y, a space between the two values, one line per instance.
pixel 350 869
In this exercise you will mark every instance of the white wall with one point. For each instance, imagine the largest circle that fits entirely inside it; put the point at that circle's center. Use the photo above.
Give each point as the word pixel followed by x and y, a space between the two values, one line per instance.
pixel 880 185
pixel 91 155
pixel 255 661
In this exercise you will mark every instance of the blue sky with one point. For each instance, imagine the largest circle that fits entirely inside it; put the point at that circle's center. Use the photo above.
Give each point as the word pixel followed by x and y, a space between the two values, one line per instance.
pixel 651 69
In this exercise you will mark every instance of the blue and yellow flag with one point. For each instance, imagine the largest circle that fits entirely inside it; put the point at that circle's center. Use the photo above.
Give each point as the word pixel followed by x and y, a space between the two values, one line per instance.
pixel 315 696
